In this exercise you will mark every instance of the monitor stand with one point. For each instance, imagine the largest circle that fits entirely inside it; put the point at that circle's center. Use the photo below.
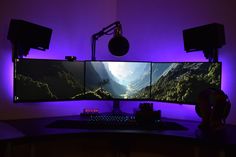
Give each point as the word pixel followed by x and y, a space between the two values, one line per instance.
pixel 116 108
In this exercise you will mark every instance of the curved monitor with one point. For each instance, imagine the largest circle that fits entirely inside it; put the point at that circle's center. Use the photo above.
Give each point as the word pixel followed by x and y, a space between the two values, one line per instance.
pixel 56 80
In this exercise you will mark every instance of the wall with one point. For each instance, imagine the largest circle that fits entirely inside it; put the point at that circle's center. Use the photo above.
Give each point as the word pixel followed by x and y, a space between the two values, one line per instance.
pixel 153 27
pixel 73 22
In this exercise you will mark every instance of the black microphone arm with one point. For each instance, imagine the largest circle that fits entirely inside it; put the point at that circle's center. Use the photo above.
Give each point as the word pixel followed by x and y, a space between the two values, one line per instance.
pixel 104 31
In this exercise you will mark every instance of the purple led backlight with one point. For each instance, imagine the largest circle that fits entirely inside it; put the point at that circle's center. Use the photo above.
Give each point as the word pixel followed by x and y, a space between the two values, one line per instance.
pixel 74 107
pixel 7 76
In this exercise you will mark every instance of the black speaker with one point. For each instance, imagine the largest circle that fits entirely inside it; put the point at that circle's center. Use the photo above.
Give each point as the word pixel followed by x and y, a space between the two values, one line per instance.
pixel 205 37
pixel 28 34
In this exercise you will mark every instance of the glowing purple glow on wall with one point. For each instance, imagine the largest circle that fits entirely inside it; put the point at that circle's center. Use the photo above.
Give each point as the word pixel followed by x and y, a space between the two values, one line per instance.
pixel 227 79
pixel 153 28
pixel 74 107
pixel 7 75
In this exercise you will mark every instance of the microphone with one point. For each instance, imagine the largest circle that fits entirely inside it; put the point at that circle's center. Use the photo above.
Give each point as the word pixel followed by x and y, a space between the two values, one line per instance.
pixel 118 45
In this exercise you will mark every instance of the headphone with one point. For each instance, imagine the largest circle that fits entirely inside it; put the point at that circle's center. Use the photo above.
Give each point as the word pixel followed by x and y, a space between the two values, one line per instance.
pixel 213 106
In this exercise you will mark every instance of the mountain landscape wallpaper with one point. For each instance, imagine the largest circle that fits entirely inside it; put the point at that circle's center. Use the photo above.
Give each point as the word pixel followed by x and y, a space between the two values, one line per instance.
pixel 182 82
pixel 48 80
pixel 51 80
pixel 117 80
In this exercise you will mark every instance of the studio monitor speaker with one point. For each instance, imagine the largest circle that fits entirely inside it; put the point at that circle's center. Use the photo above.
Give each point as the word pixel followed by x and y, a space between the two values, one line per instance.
pixel 28 34
pixel 205 37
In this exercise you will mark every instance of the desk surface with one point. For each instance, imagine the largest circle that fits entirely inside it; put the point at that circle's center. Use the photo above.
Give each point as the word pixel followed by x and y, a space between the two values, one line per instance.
pixel 36 128
pixel 8 132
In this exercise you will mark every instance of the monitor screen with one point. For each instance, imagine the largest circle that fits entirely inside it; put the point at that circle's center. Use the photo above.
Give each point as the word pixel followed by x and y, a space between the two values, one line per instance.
pixel 53 80
pixel 117 80
pixel 48 80
pixel 182 82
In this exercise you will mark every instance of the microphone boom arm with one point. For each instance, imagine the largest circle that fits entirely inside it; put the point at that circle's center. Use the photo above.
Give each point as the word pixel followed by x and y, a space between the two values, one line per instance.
pixel 104 31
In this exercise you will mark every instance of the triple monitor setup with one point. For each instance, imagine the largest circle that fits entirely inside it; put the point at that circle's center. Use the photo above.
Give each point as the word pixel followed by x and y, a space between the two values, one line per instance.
pixel 37 80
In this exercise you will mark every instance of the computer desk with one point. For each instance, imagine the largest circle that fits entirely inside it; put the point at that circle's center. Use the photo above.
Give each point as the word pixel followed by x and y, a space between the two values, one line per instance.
pixel 32 137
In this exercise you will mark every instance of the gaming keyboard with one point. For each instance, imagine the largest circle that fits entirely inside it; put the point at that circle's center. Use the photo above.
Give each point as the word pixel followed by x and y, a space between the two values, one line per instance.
pixel 112 122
